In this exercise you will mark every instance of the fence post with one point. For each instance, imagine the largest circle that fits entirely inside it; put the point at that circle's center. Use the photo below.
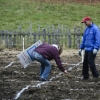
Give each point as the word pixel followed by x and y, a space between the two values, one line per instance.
pixel 7 39
pixel 3 39
pixel 75 38
pixel 14 39
pixel 44 35
pixel 30 33
pixel 57 35
pixel 49 35
pixel 60 36
pixel 69 39
pixel 62 39
pixel 65 36
pixel 53 35
pixel 10 40
pixel 78 38
pixel 34 37
pixel 39 32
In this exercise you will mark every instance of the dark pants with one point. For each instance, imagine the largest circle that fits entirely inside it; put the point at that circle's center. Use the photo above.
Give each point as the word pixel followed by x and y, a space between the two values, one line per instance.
pixel 89 61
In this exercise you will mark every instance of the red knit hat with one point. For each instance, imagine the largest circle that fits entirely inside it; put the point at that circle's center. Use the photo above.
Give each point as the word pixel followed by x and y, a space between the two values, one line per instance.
pixel 85 19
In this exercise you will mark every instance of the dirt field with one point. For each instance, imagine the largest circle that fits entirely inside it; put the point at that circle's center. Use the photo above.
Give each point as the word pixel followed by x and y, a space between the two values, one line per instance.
pixel 23 84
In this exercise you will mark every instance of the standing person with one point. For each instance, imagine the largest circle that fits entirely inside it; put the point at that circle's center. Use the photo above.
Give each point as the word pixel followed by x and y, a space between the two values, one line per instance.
pixel 90 43
pixel 44 54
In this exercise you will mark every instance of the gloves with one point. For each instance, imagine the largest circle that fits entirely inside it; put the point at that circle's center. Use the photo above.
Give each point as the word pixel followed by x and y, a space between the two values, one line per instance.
pixel 66 71
pixel 80 52
pixel 95 51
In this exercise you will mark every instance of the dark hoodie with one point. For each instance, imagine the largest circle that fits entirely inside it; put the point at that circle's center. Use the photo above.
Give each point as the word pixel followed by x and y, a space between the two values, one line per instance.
pixel 50 52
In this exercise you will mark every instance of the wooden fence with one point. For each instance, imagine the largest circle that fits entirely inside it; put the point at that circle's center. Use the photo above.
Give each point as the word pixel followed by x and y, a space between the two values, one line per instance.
pixel 18 39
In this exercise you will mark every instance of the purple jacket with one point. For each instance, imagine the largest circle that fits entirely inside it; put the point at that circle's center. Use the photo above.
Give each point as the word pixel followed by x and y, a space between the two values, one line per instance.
pixel 50 52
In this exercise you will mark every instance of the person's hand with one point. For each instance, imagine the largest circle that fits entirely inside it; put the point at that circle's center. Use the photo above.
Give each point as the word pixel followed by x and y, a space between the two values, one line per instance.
pixel 95 51
pixel 68 75
pixel 66 72
pixel 79 52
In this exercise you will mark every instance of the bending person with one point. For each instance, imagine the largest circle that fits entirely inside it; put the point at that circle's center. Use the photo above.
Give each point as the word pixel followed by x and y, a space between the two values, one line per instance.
pixel 44 54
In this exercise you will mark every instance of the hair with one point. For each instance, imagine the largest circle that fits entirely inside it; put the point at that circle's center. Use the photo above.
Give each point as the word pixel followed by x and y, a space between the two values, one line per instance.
pixel 60 49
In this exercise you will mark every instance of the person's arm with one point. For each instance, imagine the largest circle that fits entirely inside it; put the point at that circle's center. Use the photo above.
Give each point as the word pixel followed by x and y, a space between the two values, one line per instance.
pixel 58 62
pixel 97 38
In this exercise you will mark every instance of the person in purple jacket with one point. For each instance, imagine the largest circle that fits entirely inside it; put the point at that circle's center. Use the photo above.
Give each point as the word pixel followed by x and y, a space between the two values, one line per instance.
pixel 91 45
pixel 43 54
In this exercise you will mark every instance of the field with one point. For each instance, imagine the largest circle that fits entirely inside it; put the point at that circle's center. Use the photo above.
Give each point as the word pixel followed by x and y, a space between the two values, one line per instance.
pixel 17 83
pixel 23 84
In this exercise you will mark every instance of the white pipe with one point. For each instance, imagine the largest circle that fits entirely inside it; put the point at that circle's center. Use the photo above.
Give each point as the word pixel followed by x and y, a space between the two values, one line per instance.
pixel 41 83
pixel 9 65
pixel 69 69
pixel 37 85
pixel 68 64
pixel 82 55
pixel 18 95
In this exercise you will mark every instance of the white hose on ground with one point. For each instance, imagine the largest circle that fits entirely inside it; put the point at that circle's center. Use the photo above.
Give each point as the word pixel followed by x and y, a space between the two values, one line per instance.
pixel 9 65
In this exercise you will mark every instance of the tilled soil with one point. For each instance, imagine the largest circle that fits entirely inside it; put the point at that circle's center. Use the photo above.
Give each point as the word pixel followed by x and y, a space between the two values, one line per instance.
pixel 23 84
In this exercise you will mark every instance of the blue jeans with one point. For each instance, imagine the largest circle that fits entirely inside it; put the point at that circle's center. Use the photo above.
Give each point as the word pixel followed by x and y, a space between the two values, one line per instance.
pixel 45 65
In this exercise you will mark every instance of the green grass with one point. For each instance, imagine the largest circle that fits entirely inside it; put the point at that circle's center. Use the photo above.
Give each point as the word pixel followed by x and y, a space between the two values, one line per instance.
pixel 23 12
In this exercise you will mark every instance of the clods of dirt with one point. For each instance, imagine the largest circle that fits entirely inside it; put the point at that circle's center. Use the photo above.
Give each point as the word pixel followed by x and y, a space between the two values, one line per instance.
pixel 21 83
